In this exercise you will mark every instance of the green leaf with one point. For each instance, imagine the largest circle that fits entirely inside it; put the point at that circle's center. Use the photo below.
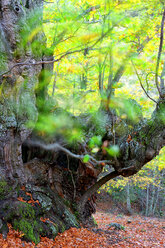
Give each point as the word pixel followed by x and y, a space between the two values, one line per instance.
pixel 113 150
pixel 86 158
pixel 95 141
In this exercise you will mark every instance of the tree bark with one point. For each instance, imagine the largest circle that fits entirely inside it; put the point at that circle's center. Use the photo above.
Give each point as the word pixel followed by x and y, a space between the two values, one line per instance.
pixel 24 198
pixel 147 200
pixel 129 209
pixel 17 86
pixel 136 149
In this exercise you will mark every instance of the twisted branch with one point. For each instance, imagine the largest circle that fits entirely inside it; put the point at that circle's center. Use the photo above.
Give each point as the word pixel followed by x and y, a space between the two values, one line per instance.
pixel 141 84
pixel 56 146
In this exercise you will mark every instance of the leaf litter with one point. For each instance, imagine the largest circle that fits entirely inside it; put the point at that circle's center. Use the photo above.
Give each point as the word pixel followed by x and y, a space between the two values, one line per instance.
pixel 138 232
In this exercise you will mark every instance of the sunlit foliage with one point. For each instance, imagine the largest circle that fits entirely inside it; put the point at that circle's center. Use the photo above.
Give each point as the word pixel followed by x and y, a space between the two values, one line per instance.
pixel 99 37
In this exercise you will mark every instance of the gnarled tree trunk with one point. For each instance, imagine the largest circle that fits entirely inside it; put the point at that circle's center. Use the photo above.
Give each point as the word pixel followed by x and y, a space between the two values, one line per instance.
pixel 24 199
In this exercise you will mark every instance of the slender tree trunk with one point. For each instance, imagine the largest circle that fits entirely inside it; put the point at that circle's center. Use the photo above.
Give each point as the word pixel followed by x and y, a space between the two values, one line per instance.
pixel 156 201
pixel 129 209
pixel 152 200
pixel 147 200
pixel 153 191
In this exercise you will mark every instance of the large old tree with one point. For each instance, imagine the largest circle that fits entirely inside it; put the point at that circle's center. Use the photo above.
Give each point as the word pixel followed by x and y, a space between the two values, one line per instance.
pixel 47 180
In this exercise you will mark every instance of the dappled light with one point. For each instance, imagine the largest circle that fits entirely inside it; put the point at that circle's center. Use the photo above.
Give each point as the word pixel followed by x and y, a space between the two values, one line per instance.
pixel 82 115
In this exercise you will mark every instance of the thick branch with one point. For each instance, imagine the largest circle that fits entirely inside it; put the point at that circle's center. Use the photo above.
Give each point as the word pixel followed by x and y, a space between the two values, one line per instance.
pixel 94 188
pixel 136 149
pixel 130 171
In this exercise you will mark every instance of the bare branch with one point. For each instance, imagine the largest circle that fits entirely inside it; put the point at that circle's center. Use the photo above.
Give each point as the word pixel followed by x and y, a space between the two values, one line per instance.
pixel 147 79
pixel 141 84
pixel 159 53
pixel 43 61
pixel 62 56
pixel 55 79
pixel 162 85
pixel 119 73
pixel 87 11
pixel 56 146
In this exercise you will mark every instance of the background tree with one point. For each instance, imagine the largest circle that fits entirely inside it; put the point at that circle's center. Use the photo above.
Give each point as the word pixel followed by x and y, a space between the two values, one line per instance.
pixel 146 189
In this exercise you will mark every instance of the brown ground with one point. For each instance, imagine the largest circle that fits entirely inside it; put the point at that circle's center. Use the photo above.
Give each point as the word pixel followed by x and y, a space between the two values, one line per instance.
pixel 139 232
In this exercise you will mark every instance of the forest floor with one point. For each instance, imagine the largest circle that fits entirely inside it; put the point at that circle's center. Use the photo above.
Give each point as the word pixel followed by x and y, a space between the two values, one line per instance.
pixel 137 232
